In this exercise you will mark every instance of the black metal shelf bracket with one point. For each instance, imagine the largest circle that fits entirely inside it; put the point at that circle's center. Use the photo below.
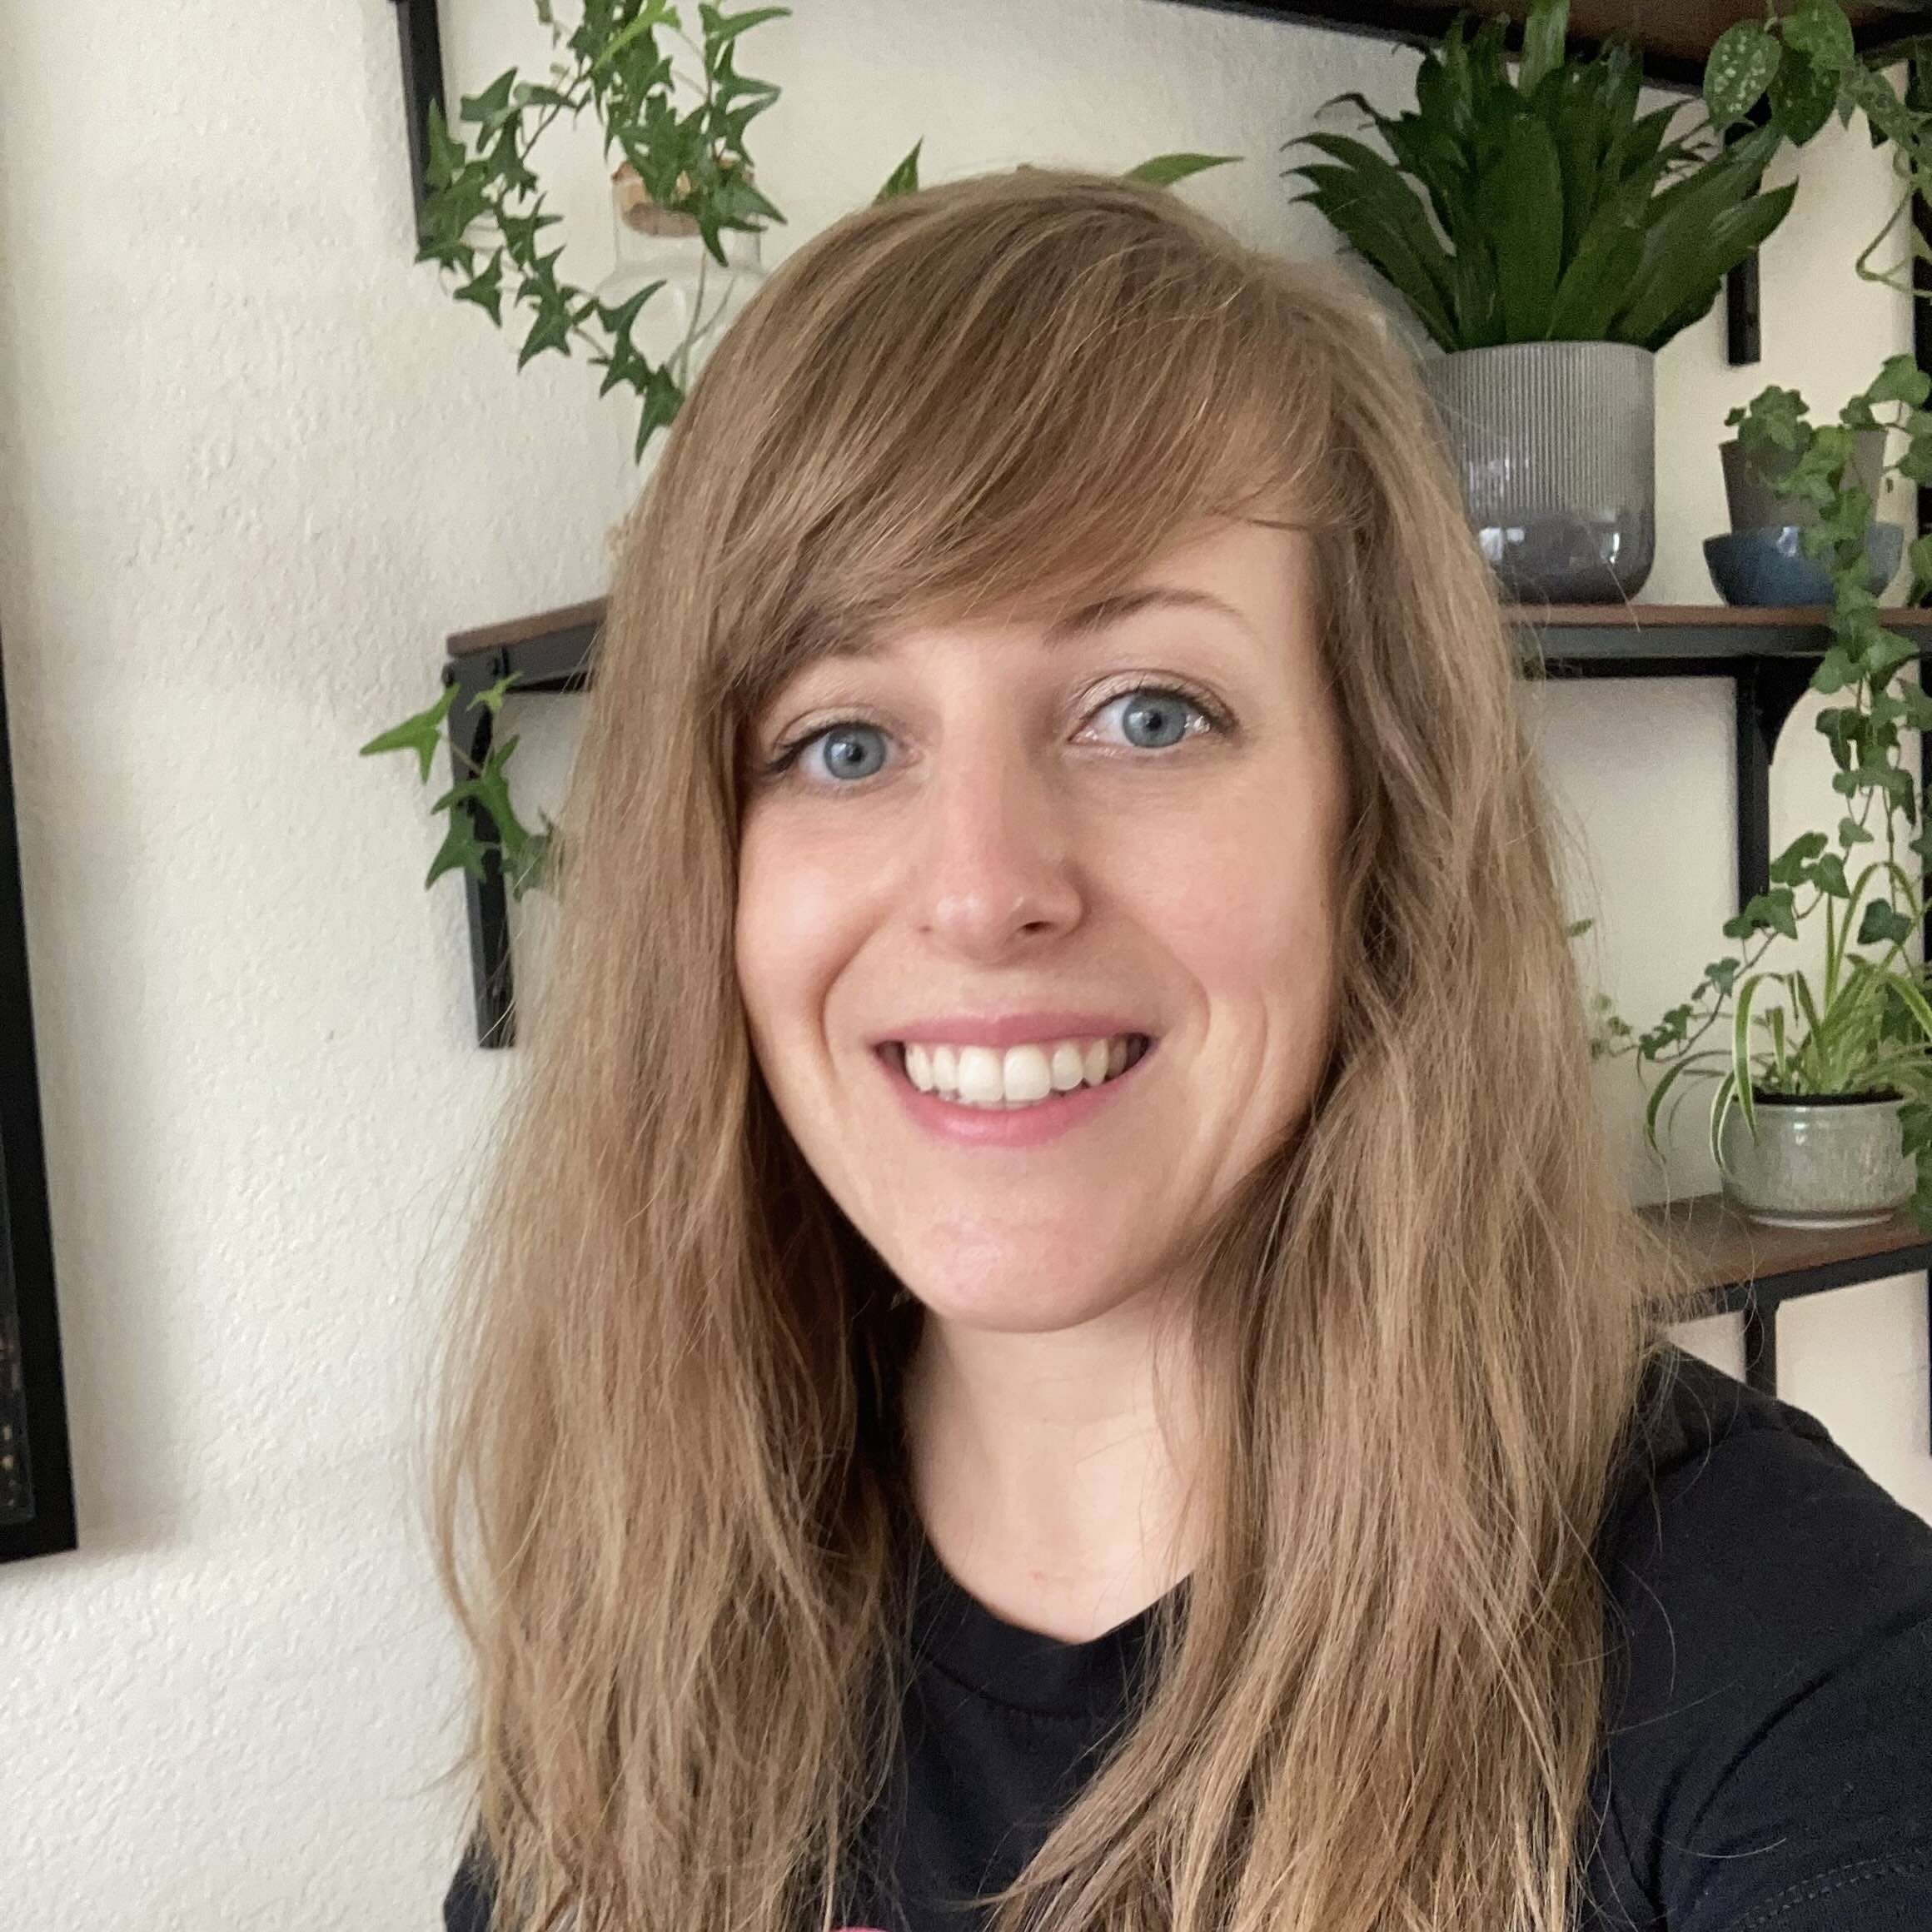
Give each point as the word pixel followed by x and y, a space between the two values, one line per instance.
pixel 1742 296
pixel 1759 1300
pixel 420 31
pixel 556 660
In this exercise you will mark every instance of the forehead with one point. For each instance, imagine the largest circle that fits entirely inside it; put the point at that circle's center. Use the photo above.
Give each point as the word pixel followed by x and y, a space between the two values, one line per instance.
pixel 1252 574
pixel 1085 621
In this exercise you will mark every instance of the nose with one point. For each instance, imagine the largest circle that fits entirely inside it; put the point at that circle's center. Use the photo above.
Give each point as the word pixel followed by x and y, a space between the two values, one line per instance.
pixel 996 857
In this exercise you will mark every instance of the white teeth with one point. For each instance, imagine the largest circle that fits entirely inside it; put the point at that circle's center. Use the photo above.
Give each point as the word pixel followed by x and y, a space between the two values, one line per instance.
pixel 1019 1076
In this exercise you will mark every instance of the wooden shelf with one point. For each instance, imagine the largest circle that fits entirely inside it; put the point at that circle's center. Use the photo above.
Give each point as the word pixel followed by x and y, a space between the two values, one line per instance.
pixel 1734 1254
pixel 1676 35
pixel 1577 631
pixel 1752 1267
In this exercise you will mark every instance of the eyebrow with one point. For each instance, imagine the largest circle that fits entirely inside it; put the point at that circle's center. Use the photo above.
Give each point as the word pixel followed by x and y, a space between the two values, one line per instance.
pixel 1113 608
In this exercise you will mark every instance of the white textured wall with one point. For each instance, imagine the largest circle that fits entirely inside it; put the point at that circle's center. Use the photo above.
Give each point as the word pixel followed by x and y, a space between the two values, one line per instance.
pixel 257 465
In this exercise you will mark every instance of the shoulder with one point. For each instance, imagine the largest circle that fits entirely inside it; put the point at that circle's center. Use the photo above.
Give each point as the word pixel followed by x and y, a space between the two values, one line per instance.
pixel 469 1900
pixel 1769 1670
pixel 1751 1510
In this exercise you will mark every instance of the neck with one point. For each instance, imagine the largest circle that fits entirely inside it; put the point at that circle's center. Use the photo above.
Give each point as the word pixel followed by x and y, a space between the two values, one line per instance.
pixel 1050 1484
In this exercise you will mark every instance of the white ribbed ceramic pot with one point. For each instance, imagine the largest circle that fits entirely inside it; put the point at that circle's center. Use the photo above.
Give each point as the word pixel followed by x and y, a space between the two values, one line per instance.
pixel 1817 1161
pixel 1554 445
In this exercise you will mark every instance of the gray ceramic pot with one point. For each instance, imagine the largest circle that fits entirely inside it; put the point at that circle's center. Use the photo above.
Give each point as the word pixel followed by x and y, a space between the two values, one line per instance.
pixel 1822 1160
pixel 1554 445
pixel 1752 490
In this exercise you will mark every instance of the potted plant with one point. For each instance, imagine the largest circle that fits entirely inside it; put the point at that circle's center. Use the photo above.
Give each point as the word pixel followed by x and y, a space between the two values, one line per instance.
pixel 1550 239
pixel 682 174
pixel 1758 488
pixel 1780 477
pixel 1830 1119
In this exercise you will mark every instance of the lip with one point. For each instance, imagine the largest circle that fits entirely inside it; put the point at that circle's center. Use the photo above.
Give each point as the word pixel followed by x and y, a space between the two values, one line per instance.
pixel 1014 1029
pixel 1023 1126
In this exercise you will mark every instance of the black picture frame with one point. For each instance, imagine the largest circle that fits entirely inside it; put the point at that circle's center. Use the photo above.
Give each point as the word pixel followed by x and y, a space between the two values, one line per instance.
pixel 37 1493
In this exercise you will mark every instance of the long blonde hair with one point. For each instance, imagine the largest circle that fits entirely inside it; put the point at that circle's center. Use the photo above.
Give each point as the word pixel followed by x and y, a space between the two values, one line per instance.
pixel 667 1468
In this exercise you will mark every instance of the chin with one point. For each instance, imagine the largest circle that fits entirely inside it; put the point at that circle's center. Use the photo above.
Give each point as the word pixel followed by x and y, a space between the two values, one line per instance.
pixel 1015 1305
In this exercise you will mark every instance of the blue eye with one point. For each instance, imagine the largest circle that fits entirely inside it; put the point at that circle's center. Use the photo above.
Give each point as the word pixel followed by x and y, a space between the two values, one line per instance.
pixel 1164 707
pixel 839 740
pixel 844 738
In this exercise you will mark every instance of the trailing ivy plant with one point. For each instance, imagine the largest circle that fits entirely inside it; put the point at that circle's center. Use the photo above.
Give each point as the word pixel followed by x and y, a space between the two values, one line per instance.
pixel 484 225
pixel 484 216
pixel 1867 1027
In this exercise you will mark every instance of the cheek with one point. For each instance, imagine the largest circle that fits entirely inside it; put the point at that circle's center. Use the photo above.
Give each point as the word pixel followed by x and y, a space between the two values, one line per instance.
pixel 1246 895
pixel 796 916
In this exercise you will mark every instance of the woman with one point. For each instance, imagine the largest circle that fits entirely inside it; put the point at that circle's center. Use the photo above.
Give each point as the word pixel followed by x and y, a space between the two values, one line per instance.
pixel 1054 1322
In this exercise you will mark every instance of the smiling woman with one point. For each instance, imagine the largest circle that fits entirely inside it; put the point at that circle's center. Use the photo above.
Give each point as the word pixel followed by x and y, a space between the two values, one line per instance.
pixel 1014 846
pixel 1053 1344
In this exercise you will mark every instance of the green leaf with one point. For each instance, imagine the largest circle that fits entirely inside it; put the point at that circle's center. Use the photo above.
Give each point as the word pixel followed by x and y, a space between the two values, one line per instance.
pixel 1820 31
pixel 1884 922
pixel 489 788
pixel 1640 143
pixel 1680 288
pixel 1900 380
pixel 1802 94
pixel 1774 418
pixel 1442 164
pixel 532 94
pixel 626 41
pixel 662 400
pixel 1163 170
pixel 1596 281
pixel 489 108
pixel 904 179
pixel 1488 71
pixel 446 156
pixel 1740 1048
pixel 1764 910
pixel 486 289
pixel 1477 307
pixel 626 363
pixel 549 329
pixel 529 867
pixel 1741 63
pixel 1520 200
pixel 1543 38
pixel 1445 91
pixel 520 233
pixel 420 734
pixel 491 697
pixel 1789 867
pixel 461 851
pixel 720 27
pixel 1372 205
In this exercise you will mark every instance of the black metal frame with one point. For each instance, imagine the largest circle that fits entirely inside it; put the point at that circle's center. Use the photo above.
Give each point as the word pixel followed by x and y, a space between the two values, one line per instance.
pixel 558 660
pixel 36 1494
pixel 1759 1300
pixel 420 31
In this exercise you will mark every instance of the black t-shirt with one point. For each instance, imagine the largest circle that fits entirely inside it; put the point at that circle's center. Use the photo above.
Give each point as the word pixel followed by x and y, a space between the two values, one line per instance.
pixel 1767 1767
